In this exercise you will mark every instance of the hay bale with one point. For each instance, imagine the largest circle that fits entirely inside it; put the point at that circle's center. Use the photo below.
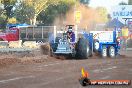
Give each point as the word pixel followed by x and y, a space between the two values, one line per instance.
pixel 30 44
pixel 15 44
pixel 3 44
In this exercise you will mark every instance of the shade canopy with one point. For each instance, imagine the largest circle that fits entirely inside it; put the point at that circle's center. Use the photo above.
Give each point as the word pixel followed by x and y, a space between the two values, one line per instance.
pixel 115 23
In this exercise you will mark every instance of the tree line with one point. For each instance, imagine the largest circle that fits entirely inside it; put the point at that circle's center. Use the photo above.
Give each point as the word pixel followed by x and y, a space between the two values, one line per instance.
pixel 34 11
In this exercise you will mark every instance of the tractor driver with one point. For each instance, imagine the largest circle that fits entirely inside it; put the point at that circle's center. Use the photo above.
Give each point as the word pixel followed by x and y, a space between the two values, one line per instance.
pixel 70 34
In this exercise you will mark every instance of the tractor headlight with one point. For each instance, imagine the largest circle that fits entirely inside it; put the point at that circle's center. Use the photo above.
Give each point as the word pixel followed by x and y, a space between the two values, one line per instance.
pixel 96 45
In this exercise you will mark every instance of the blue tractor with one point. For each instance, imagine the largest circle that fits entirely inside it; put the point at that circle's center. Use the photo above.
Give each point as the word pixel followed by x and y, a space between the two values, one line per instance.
pixel 68 43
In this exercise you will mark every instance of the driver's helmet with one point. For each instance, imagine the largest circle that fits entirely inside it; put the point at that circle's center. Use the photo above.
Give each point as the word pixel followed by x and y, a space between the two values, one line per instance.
pixel 70 29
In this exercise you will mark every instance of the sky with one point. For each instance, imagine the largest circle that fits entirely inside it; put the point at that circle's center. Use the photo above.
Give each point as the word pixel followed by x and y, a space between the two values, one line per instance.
pixel 105 3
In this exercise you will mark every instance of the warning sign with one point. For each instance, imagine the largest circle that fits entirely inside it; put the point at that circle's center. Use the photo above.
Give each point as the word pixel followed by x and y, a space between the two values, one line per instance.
pixel 77 16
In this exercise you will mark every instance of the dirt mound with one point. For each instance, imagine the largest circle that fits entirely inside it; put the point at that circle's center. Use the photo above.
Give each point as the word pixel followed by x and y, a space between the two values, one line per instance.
pixel 60 57
pixel 31 61
pixel 8 61
pixel 4 62
pixel 45 49
pixel 36 56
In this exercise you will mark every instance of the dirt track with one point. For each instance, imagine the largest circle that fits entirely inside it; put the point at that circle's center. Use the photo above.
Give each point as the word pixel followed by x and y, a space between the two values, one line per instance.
pixel 34 70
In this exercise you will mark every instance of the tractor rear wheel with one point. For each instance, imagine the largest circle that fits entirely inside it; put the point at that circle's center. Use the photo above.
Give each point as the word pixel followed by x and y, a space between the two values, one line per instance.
pixel 83 49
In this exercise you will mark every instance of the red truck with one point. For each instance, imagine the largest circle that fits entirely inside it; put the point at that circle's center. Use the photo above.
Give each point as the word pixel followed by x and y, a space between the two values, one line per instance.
pixel 26 34
pixel 11 34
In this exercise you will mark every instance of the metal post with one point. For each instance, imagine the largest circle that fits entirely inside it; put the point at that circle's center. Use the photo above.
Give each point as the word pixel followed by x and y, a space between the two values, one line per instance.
pixel 125 21
pixel 19 33
pixel 42 32
pixel 54 33
pixel 33 32
pixel 76 33
pixel 26 33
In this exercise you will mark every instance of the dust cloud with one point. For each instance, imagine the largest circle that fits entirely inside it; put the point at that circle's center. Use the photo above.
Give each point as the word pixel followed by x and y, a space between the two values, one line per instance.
pixel 89 17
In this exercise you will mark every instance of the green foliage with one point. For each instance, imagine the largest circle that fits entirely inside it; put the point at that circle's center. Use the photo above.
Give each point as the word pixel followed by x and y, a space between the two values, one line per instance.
pixel 2 21
pixel 8 6
pixel 1 11
pixel 129 2
pixel 9 2
pixel 2 18
pixel 47 17
pixel 85 1
pixel 7 11
pixel 25 10
pixel 24 13
pixel 40 5
pixel 12 20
